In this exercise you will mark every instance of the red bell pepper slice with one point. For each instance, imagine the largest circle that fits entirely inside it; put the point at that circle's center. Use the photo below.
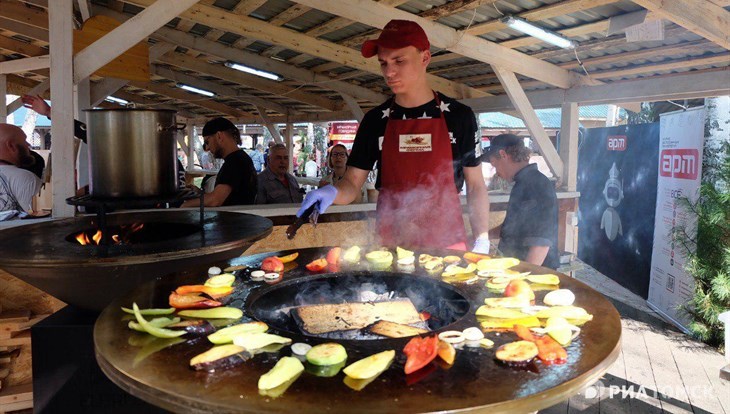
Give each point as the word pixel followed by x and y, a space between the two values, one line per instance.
pixel 548 350
pixel 333 256
pixel 213 292
pixel 317 265
pixel 272 265
pixel 420 351
pixel 192 301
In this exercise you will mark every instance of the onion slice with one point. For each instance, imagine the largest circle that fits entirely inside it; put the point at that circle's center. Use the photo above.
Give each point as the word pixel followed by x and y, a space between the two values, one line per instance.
pixel 452 337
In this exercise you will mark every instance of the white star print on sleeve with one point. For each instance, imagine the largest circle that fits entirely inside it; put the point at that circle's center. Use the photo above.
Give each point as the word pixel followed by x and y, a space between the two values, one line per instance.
pixel 444 107
pixel 386 113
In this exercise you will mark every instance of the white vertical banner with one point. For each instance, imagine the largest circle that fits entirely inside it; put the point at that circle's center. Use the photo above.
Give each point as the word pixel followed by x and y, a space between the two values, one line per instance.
pixel 681 138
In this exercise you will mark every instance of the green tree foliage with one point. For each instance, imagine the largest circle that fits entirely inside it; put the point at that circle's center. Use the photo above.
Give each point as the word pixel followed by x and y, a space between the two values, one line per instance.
pixel 708 254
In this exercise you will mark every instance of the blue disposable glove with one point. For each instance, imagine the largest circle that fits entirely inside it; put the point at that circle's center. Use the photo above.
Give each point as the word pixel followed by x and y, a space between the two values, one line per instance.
pixel 481 245
pixel 325 196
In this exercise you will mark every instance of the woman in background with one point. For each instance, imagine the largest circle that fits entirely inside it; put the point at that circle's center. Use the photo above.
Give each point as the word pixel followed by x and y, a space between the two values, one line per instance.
pixel 337 161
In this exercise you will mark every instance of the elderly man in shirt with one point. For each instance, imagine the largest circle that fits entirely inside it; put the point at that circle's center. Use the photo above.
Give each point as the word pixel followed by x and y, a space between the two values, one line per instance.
pixel 276 185
pixel 17 185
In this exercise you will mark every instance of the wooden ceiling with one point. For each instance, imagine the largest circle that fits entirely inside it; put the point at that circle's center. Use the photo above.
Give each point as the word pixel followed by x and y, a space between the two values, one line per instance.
pixel 314 45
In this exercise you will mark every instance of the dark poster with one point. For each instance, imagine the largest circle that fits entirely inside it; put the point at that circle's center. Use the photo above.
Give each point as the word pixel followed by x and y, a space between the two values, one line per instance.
pixel 617 180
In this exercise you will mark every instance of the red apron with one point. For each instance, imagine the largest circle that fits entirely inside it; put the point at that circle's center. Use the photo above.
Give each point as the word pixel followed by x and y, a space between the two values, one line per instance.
pixel 418 205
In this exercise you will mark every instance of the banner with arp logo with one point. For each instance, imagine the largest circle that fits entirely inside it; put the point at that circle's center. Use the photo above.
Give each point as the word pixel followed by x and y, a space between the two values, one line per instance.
pixel 681 137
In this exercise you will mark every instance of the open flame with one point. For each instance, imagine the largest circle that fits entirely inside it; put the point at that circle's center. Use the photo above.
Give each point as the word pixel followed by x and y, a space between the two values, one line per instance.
pixel 125 232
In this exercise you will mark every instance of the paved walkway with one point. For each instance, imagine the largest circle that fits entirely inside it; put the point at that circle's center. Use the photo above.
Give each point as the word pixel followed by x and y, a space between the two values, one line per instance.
pixel 659 369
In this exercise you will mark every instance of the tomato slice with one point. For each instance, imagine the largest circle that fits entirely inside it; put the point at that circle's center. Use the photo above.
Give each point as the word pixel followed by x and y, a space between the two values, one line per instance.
pixel 420 351
pixel 317 265
pixel 333 256
pixel 272 264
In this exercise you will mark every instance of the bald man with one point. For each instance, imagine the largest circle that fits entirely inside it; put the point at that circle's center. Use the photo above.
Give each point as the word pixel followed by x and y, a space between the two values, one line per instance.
pixel 17 185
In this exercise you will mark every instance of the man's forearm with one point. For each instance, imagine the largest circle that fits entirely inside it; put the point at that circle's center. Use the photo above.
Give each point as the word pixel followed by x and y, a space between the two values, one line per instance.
pixel 478 201
pixel 346 192
pixel 537 254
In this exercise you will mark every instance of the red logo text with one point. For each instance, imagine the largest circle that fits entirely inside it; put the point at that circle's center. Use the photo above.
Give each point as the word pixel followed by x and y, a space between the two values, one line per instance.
pixel 679 163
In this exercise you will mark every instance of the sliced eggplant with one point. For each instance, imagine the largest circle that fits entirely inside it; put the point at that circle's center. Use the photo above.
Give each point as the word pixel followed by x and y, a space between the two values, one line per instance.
pixel 226 335
pixel 219 357
pixel 195 327
pixel 518 354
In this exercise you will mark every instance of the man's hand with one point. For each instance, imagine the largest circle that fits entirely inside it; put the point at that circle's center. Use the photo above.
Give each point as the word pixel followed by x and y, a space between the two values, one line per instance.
pixel 481 245
pixel 37 104
pixel 325 196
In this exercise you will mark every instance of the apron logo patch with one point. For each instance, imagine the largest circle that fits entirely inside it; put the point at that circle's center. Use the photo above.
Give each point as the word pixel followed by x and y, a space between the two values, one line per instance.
pixel 414 143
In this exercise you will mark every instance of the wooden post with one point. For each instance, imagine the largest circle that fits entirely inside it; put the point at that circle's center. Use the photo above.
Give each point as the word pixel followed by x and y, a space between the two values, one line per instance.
pixel 569 145
pixel 62 127
pixel 82 97
pixel 290 144
pixel 357 112
pixel 3 94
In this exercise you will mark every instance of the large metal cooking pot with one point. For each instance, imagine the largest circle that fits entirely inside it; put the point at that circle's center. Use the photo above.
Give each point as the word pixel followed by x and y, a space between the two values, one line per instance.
pixel 131 152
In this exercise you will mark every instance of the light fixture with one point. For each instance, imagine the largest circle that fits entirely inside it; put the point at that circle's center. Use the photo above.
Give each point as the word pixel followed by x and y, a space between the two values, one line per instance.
pixel 116 100
pixel 247 69
pixel 279 59
pixel 195 90
pixel 528 28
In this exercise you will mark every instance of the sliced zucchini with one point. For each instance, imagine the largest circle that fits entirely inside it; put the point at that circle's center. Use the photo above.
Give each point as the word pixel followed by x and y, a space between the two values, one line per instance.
pixel 500 313
pixel 224 312
pixel 508 302
pixel 219 357
pixel 325 371
pixel 226 335
pixel 284 370
pixel 253 341
pixel 222 280
pixel 329 353
pixel 546 279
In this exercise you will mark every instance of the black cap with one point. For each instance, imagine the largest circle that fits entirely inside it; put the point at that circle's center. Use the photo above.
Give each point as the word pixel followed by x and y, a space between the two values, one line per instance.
pixel 217 125
pixel 499 142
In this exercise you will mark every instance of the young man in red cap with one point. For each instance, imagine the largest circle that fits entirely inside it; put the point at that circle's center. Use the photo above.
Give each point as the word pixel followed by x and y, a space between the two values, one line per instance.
pixel 426 146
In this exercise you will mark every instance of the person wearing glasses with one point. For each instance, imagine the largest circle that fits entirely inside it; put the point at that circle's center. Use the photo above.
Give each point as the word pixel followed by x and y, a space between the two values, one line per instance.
pixel 235 183
pixel 426 145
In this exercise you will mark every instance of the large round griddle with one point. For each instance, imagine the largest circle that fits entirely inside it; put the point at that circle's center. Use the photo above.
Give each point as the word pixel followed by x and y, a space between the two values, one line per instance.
pixel 91 276
pixel 476 382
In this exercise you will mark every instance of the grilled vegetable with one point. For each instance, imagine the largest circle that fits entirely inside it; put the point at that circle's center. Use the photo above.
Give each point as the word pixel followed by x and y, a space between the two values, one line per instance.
pixel 216 313
pixel 475 257
pixel 194 327
pixel 272 265
pixel 500 313
pixel 151 311
pixel 352 255
pixel 560 297
pixel 329 353
pixel 285 370
pixel 519 288
pixel 509 302
pixel 544 279
pixel 317 265
pixel 223 280
pixel 402 253
pixel 371 366
pixel 192 301
pixel 380 258
pixel 447 352
pixel 324 371
pixel 572 313
pixel 560 330
pixel 226 335
pixel 333 256
pixel 394 330
pixel 518 353
pixel 420 351
pixel 152 330
pixel 219 357
pixel 492 323
pixel 358 384
pixel 497 264
pixel 253 341
pixel 548 350
pixel 288 258
pixel 156 322
pixel 213 292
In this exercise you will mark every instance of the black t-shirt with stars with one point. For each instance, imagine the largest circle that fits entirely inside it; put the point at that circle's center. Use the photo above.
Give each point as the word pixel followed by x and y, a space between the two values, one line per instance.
pixel 460 121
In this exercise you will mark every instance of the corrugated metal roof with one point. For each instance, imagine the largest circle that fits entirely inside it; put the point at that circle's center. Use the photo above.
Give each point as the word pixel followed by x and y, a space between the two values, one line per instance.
pixel 549 118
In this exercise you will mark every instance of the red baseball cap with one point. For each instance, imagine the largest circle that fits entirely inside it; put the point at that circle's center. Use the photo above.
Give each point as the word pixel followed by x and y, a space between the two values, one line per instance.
pixel 397 34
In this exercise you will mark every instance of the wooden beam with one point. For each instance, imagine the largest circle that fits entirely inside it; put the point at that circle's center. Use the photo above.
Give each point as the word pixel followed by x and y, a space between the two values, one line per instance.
pixel 339 22
pixel 698 16
pixel 84 9
pixel 177 93
pixel 569 145
pixel 62 127
pixel 141 100
pixel 25 64
pixel 19 12
pixel 225 91
pixel 36 90
pixel 27 49
pixel 717 59
pixel 377 15
pixel 251 81
pixel 357 112
pixel 529 117
pixel 3 98
pixel 266 121
pixel 101 90
pixel 540 13
pixel 24 29
pixel 696 84
pixel 254 28
pixel 453 7
pixel 131 32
